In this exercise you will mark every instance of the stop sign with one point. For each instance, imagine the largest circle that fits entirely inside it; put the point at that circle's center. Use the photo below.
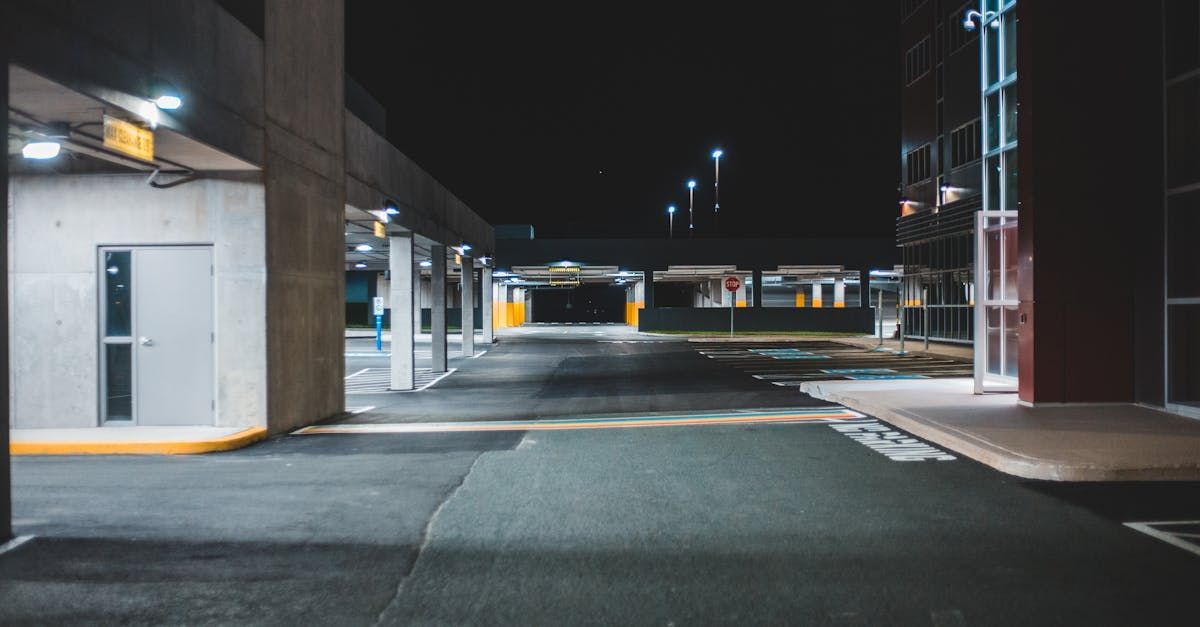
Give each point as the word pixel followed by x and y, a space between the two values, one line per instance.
pixel 732 283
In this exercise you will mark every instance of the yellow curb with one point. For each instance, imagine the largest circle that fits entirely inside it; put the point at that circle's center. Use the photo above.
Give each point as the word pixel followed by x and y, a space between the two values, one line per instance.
pixel 183 447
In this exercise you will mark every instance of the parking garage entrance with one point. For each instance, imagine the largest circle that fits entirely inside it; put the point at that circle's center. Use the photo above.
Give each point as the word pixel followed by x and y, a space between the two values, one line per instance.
pixel 581 304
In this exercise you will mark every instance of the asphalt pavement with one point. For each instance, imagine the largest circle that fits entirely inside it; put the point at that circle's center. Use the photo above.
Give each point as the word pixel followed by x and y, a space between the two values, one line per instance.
pixel 843 522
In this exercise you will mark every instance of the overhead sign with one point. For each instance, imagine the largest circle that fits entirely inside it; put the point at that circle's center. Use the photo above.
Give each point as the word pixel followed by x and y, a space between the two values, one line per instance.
pixel 378 305
pixel 733 283
pixel 128 138
pixel 380 229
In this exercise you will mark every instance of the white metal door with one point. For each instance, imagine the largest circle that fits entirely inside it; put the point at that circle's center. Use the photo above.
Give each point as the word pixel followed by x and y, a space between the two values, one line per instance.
pixel 174 335
pixel 996 317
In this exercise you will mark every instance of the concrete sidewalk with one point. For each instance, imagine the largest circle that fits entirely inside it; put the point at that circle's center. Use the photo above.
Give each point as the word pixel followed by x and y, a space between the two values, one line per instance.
pixel 1070 443
pixel 132 440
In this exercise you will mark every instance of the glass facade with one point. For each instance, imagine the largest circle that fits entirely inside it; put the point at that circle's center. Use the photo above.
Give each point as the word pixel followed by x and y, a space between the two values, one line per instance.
pixel 1182 136
pixel 938 247
pixel 996 351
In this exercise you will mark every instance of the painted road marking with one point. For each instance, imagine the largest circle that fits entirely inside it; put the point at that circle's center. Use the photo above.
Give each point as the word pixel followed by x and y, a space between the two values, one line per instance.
pixel 1183 534
pixel 377 380
pixel 359 410
pixel 13 544
pixel 873 377
pixel 820 415
pixel 888 441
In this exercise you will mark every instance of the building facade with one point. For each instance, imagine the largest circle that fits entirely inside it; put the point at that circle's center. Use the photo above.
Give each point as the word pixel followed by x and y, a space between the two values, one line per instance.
pixel 940 176
pixel 1079 284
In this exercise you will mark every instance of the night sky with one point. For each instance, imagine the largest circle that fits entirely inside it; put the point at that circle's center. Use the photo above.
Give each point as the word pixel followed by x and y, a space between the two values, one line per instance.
pixel 586 119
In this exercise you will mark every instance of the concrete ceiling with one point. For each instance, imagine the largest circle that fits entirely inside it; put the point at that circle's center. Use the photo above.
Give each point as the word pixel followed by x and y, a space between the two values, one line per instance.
pixel 35 102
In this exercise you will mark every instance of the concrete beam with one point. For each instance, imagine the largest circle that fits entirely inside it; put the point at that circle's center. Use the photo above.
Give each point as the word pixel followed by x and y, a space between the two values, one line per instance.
pixel 437 306
pixel 400 263
pixel 468 306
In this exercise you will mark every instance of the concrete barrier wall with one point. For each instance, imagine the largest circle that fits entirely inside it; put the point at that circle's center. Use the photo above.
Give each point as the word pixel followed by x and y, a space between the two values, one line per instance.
pixel 842 320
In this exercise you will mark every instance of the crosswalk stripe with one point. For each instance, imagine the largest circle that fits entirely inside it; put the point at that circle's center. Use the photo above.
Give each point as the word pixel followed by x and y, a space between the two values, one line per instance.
pixel 377 380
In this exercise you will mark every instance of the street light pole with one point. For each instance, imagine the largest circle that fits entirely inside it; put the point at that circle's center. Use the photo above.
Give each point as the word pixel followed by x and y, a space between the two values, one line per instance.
pixel 717 184
pixel 691 207
pixel 671 223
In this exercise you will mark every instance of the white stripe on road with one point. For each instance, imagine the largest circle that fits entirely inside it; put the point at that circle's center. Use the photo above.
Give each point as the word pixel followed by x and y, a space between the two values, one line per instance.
pixel 378 380
pixel 1161 530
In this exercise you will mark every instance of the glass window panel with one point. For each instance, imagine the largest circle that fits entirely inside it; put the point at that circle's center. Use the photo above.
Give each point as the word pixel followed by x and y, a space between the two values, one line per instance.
pixel 1010 341
pixel 116 293
pixel 1010 44
pixel 1010 114
pixel 1183 255
pixel 993 183
pixel 1010 179
pixel 993 341
pixel 118 381
pixel 993 121
pixel 1183 346
pixel 992 61
pixel 992 276
pixel 1009 236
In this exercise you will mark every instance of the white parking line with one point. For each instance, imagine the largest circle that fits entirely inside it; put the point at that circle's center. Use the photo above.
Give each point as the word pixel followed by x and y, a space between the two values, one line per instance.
pixel 377 380
pixel 1188 541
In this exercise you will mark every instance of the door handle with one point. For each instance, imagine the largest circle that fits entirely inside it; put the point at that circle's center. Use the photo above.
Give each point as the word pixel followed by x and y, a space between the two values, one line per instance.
pixel 145 341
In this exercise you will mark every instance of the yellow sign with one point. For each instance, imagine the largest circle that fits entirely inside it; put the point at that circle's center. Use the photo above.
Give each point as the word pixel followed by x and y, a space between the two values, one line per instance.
pixel 380 229
pixel 130 139
pixel 563 269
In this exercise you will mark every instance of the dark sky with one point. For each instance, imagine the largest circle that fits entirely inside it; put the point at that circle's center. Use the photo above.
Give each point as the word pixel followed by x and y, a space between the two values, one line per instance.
pixel 585 119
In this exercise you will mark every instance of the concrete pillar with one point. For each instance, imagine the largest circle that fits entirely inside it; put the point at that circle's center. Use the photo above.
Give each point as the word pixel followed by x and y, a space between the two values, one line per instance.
pixel 816 293
pixel 502 306
pixel 468 306
pixel 486 290
pixel 437 306
pixel 740 295
pixel 5 477
pixel 304 186
pixel 800 295
pixel 839 292
pixel 648 289
pixel 400 265
pixel 758 287
pixel 416 290
pixel 864 288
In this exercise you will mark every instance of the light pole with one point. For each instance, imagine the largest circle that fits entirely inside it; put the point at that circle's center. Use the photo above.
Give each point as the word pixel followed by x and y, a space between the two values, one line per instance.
pixel 671 223
pixel 691 206
pixel 717 183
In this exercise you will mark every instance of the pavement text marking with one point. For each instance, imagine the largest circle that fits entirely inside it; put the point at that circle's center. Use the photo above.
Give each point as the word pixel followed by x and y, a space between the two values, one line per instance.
pixel 895 445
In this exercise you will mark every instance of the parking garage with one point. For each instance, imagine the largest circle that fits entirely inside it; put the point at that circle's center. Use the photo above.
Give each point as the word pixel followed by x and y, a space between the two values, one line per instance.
pixel 679 285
